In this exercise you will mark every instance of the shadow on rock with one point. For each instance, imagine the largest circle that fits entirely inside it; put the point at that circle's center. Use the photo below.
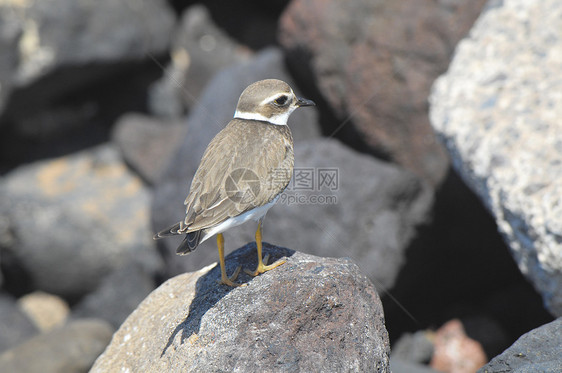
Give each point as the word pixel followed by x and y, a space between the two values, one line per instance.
pixel 208 291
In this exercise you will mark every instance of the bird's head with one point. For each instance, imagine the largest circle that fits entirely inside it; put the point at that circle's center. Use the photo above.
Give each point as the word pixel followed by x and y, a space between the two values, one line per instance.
pixel 269 100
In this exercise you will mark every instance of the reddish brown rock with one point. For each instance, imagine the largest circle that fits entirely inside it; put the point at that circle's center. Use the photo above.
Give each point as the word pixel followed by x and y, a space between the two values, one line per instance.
pixel 455 352
pixel 374 63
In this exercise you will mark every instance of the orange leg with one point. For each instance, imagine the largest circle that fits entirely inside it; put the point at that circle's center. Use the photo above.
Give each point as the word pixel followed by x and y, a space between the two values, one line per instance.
pixel 261 265
pixel 225 280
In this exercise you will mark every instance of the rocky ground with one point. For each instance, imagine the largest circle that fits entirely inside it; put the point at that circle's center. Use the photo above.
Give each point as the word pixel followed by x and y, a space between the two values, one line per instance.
pixel 435 147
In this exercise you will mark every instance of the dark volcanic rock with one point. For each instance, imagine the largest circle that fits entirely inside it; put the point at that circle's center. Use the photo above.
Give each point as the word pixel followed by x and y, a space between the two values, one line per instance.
pixel 41 38
pixel 10 30
pixel 371 212
pixel 199 50
pixel 536 351
pixel 66 32
pixel 68 67
pixel 68 349
pixel 413 347
pixel 310 314
pixel 117 296
pixel 15 326
pixel 147 144
pixel 72 220
pixel 374 63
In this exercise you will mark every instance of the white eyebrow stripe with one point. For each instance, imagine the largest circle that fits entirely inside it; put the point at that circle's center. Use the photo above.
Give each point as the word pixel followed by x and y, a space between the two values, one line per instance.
pixel 276 96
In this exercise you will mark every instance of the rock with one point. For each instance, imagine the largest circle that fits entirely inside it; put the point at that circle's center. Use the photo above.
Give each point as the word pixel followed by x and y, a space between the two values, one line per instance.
pixel 500 125
pixel 146 143
pixel 65 33
pixel 536 351
pixel 10 31
pixel 47 311
pixel 16 327
pixel 117 296
pixel 71 348
pixel 199 50
pixel 215 109
pixel 73 219
pixel 399 366
pixel 370 212
pixel 66 68
pixel 438 281
pixel 414 347
pixel 310 314
pixel 455 352
pixel 375 70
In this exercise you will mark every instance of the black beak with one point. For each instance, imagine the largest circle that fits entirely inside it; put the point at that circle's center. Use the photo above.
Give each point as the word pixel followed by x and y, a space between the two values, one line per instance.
pixel 304 102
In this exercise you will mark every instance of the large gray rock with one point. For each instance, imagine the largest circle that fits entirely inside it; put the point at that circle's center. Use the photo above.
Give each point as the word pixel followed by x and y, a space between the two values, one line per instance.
pixel 15 326
pixel 199 50
pixel 371 212
pixel 497 111
pixel 310 314
pixel 374 62
pixel 117 296
pixel 58 33
pixel 71 348
pixel 67 67
pixel 536 351
pixel 147 143
pixel 71 220
pixel 10 31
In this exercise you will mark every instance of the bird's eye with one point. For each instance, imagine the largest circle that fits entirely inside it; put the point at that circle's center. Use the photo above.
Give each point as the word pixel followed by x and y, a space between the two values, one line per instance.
pixel 281 100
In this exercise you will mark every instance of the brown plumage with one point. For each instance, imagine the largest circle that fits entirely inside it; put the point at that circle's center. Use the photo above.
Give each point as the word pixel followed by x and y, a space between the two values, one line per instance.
pixel 255 150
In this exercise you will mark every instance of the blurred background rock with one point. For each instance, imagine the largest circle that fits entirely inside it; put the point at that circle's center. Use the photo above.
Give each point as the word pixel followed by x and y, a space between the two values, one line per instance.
pixel 106 107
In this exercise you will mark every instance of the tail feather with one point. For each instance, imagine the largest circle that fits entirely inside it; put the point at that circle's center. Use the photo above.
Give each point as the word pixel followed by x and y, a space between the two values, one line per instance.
pixel 190 242
pixel 170 231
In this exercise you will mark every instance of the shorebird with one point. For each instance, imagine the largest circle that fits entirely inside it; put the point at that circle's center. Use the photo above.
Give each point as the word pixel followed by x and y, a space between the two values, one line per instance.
pixel 243 171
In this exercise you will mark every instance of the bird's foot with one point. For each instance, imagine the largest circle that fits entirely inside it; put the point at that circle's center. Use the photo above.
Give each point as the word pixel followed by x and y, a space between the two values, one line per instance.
pixel 264 268
pixel 229 281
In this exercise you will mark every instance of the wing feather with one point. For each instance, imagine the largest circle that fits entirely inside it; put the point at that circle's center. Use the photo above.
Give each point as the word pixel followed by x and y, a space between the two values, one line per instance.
pixel 235 147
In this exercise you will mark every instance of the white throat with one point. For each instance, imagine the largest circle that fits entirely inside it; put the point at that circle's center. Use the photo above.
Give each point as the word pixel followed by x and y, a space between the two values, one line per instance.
pixel 279 119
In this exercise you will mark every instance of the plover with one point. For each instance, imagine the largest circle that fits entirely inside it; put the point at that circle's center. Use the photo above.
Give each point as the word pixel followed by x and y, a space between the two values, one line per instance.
pixel 243 171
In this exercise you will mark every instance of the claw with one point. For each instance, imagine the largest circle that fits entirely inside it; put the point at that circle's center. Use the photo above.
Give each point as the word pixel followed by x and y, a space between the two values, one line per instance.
pixel 229 281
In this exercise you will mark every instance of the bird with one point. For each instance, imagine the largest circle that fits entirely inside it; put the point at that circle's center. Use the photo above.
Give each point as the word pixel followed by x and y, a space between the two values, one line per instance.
pixel 242 173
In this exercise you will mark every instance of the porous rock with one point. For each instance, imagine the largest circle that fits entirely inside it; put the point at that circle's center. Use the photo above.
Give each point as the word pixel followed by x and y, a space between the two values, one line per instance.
pixel 73 219
pixel 497 111
pixel 374 62
pixel 15 325
pixel 310 314
pixel 535 351
pixel 199 50
pixel 117 296
pixel 69 349
pixel 147 143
